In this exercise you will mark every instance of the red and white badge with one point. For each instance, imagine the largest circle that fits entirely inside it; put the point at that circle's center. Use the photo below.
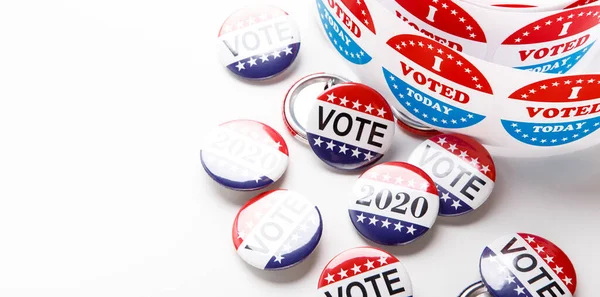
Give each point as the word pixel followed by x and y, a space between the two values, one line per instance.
pixel 393 203
pixel 365 272
pixel 277 229
pixel 555 111
pixel 461 168
pixel 553 44
pixel 350 126
pixel 436 84
pixel 443 21
pixel 529 265
pixel 580 3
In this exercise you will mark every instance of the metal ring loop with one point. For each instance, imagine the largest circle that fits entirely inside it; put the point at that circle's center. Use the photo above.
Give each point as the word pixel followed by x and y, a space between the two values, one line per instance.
pixel 288 110
pixel 409 122
pixel 477 289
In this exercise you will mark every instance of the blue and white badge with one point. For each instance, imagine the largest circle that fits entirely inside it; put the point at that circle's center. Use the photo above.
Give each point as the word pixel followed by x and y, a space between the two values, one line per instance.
pixel 245 155
pixel 393 203
pixel 350 126
pixel 277 230
pixel 258 42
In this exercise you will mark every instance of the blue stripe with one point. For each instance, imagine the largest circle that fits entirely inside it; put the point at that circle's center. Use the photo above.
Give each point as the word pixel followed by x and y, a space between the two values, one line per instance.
pixel 337 158
pixel 389 235
pixel 428 109
pixel 554 134
pixel 342 42
pixel 446 208
pixel 221 171
pixel 560 65
pixel 266 68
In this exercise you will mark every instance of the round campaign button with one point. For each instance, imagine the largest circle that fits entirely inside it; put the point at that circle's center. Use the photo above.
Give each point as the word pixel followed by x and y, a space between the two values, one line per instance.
pixel 258 42
pixel 277 230
pixel 462 169
pixel 526 265
pixel 365 272
pixel 350 126
pixel 244 155
pixel 393 203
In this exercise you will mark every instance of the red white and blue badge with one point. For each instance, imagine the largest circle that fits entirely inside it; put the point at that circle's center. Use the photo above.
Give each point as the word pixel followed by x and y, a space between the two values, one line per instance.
pixel 350 126
pixel 245 155
pixel 277 230
pixel 436 84
pixel 527 265
pixel 258 42
pixel 365 272
pixel 553 44
pixel 555 111
pixel 462 169
pixel 393 203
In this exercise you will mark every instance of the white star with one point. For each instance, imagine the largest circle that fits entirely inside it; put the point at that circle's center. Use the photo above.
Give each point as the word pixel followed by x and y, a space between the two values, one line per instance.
pixel 519 290
pixel 485 169
pixel 342 273
pixel 318 142
pixel 445 196
pixel 368 108
pixel 276 54
pixel 399 180
pixel 368 156
pixel 424 186
pixel 356 269
pixel 382 260
pixel 558 270
pixel 360 218
pixel 456 204
pixel 264 58
pixel 329 278
pixel 385 223
pixel 452 147
pixel 373 221
pixel 356 104
pixel 241 234
pixel 278 258
pixel 240 66
pixel 474 162
pixel 343 149
pixel 549 259
pixel 343 101
pixel 331 97
pixel 411 230
pixel 567 280
pixel 398 226
pixel 463 154
pixel 330 145
pixel 529 239
pixel 381 112
pixel 442 141
pixel 539 249
pixel 510 279
pixel 369 265
pixel 411 183
pixel 288 51
pixel 251 62
pixel 492 259
pixel 386 177
pixel 287 247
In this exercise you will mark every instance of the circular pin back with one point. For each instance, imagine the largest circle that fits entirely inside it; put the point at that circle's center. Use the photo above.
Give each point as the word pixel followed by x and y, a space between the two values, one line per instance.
pixel 350 126
pixel 462 169
pixel 476 289
pixel 245 155
pixel 258 42
pixel 300 99
pixel 277 230
pixel 370 271
pixel 412 127
pixel 393 203
pixel 528 265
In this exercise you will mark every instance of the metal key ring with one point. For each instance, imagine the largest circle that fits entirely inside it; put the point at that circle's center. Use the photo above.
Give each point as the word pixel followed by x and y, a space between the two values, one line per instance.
pixel 409 122
pixel 289 116
pixel 476 289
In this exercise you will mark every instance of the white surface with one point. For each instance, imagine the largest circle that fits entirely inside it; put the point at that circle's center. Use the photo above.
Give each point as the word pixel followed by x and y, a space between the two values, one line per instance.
pixel 103 108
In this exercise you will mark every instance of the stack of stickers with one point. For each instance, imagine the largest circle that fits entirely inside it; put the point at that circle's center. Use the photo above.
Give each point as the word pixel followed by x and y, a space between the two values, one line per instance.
pixel 510 74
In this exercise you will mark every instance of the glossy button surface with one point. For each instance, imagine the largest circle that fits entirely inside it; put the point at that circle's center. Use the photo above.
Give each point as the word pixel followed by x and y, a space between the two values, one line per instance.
pixel 244 155
pixel 350 126
pixel 462 169
pixel 527 265
pixel 393 203
pixel 258 42
pixel 365 272
pixel 277 230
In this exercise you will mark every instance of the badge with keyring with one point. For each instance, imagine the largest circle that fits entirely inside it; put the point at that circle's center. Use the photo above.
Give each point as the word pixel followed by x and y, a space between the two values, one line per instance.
pixel 524 265
pixel 348 125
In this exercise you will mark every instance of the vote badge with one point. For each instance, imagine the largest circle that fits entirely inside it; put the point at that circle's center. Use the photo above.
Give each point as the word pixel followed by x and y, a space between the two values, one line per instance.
pixel 526 264
pixel 364 272
pixel 258 42
pixel 445 22
pixel 350 126
pixel 462 169
pixel 570 103
pixel 393 203
pixel 244 155
pixel 277 230
pixel 553 44
pixel 344 22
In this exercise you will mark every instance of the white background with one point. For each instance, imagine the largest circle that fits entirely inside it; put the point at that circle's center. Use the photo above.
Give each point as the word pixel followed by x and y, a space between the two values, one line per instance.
pixel 103 109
